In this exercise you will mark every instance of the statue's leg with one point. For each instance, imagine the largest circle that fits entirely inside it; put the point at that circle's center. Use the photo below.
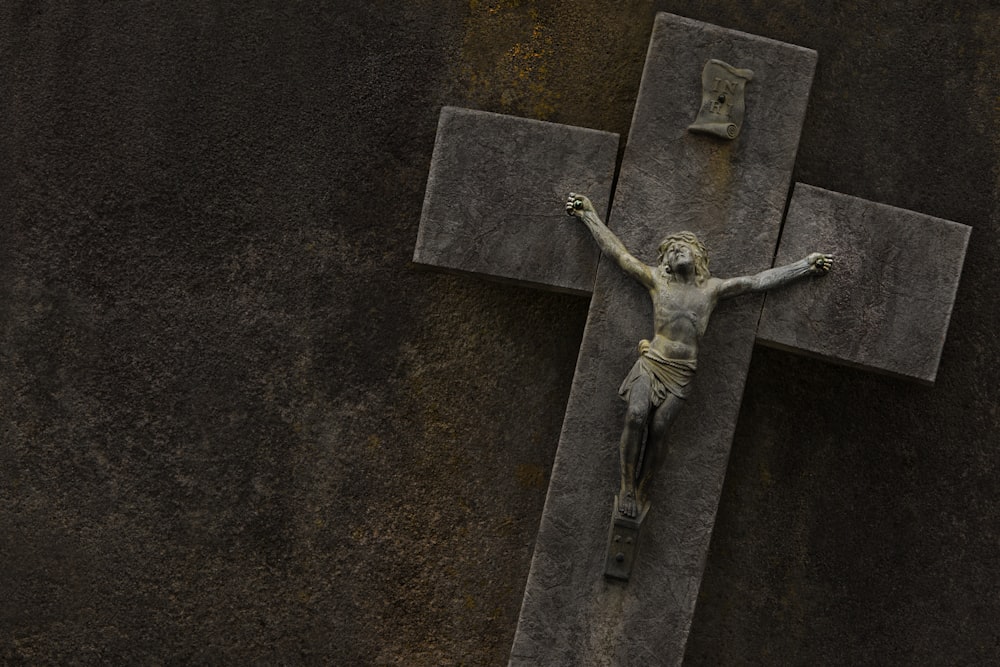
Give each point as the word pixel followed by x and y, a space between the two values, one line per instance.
pixel 630 448
pixel 656 445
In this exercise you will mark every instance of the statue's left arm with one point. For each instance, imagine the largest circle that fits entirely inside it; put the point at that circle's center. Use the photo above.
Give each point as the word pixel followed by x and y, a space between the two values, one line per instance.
pixel 816 264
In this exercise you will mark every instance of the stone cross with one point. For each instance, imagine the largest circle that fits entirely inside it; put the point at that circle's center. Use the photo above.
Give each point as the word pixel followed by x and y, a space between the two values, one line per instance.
pixel 494 207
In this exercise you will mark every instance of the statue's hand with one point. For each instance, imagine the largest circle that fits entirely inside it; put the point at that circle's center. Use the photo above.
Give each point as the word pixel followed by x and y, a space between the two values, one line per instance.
pixel 819 263
pixel 577 205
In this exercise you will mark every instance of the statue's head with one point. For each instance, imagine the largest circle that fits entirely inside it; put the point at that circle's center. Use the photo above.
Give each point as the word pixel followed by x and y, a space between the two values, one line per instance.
pixel 699 254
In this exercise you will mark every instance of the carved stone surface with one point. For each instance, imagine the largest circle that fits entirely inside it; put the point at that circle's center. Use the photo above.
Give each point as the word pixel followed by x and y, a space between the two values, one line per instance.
pixel 732 195
pixel 494 194
pixel 236 428
pixel 896 279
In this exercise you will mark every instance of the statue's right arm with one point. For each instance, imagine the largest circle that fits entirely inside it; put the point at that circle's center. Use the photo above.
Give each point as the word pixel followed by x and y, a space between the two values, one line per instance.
pixel 580 207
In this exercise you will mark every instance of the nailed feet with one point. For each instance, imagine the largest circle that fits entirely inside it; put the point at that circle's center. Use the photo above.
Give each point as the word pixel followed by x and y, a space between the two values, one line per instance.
pixel 627 505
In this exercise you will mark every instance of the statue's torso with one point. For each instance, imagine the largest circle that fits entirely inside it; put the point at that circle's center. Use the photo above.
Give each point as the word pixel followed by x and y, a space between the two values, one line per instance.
pixel 680 316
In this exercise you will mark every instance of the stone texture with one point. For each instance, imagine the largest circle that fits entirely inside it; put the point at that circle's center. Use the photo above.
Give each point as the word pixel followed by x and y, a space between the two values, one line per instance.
pixel 495 192
pixel 236 428
pixel 732 195
pixel 896 278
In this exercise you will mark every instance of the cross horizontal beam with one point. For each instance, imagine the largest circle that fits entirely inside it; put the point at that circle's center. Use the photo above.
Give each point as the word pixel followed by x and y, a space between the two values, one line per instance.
pixel 897 271
pixel 895 284
pixel 493 201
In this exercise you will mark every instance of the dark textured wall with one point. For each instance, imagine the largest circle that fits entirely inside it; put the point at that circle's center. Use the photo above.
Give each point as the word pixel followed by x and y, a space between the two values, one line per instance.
pixel 236 426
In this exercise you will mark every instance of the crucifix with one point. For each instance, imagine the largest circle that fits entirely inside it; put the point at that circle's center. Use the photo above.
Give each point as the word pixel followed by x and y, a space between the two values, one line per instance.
pixel 684 294
pixel 495 190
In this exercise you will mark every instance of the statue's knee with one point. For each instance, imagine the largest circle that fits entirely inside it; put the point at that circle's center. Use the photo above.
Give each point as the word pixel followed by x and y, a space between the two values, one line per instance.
pixel 635 416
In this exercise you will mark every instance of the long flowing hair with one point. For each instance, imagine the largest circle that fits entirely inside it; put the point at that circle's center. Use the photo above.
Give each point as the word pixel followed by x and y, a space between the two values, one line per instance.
pixel 701 271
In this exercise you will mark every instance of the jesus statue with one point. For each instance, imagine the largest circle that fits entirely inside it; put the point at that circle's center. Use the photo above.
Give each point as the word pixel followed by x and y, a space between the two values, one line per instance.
pixel 684 294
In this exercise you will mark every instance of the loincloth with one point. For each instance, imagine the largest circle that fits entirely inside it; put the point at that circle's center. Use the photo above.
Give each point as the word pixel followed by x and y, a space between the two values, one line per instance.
pixel 671 376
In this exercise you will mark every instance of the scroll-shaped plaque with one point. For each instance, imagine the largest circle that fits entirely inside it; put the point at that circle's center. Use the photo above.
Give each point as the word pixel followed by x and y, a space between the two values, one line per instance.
pixel 722 103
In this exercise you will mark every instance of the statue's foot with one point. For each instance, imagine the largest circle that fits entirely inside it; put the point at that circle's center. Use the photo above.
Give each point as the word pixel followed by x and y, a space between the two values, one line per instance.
pixel 626 505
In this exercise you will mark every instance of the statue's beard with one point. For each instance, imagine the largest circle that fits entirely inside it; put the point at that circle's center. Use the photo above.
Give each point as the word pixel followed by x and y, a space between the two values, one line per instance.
pixel 683 266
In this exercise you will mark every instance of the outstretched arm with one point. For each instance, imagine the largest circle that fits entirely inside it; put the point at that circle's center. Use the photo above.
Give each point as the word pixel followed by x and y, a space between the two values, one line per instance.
pixel 816 264
pixel 580 207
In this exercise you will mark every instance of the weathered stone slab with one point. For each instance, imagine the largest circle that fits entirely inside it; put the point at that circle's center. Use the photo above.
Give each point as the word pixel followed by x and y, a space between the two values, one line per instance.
pixel 895 281
pixel 493 204
pixel 732 195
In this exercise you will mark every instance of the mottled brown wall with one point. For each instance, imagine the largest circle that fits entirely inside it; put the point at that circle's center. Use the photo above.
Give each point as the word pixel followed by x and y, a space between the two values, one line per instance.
pixel 236 426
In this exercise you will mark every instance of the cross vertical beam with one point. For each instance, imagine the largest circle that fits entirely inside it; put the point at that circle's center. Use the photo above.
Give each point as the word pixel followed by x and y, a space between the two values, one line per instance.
pixel 732 195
